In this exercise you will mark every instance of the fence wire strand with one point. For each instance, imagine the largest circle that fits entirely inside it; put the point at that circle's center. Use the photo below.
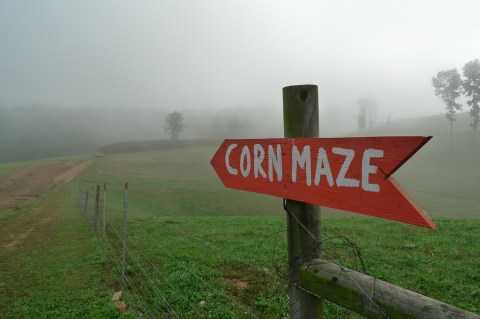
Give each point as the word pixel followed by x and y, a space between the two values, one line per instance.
pixel 336 260
pixel 86 202
pixel 217 292
pixel 151 283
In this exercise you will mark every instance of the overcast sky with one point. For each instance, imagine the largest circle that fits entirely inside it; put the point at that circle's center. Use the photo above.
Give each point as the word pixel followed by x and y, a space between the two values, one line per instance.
pixel 224 54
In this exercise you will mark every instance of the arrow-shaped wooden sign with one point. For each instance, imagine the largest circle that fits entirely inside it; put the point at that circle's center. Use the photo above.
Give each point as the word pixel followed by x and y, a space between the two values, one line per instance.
pixel 352 173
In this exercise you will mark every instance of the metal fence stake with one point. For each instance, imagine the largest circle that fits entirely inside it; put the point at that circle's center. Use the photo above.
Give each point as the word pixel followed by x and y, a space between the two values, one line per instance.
pixel 124 246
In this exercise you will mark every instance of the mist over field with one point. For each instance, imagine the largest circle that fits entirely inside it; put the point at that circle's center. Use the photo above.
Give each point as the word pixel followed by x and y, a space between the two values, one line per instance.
pixel 135 98
pixel 75 76
pixel 36 131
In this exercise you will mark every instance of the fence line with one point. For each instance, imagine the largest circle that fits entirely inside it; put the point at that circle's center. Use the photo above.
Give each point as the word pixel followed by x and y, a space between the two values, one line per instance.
pixel 131 255
pixel 221 293
pixel 155 292
pixel 157 271
pixel 89 210
pixel 111 229
pixel 152 284
pixel 302 284
pixel 110 236
pixel 139 303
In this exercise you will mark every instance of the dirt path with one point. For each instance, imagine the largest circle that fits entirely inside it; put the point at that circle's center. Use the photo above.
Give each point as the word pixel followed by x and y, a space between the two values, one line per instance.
pixel 71 173
pixel 18 239
pixel 20 227
pixel 27 181
pixel 24 183
pixel 47 251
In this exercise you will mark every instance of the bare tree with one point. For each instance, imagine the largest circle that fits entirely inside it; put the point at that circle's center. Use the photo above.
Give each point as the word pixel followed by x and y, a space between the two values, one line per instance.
pixel 368 111
pixel 448 86
pixel 471 87
pixel 372 112
pixel 362 116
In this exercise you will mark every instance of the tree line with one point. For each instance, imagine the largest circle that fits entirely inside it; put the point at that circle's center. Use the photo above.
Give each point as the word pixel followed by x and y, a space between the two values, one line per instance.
pixel 450 86
pixel 41 131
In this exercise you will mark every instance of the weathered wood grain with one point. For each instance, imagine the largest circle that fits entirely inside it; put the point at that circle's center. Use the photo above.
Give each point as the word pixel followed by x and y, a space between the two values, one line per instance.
pixel 373 298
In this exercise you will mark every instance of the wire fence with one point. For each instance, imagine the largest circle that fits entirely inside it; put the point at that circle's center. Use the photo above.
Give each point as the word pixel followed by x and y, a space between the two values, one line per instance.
pixel 170 271
pixel 160 280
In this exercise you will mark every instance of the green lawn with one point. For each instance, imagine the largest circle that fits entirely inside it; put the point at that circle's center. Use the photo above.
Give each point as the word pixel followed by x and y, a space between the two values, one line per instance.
pixel 57 269
pixel 206 251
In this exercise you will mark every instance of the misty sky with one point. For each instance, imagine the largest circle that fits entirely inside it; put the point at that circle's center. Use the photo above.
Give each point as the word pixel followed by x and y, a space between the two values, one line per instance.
pixel 226 54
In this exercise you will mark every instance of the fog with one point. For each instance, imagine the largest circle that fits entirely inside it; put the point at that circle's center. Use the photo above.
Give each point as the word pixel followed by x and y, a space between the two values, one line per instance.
pixel 222 62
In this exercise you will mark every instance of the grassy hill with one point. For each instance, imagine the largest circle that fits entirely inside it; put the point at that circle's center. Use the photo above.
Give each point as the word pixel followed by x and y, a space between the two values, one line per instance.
pixel 199 250
pixel 437 126
pixel 443 179
pixel 51 265
pixel 182 219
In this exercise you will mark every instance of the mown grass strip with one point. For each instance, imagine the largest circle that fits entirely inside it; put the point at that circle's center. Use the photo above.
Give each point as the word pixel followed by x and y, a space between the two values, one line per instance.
pixel 59 270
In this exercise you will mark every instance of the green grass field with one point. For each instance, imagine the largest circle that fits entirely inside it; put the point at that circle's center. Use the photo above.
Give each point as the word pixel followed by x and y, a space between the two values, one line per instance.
pixel 201 240
pixel 199 250
pixel 56 267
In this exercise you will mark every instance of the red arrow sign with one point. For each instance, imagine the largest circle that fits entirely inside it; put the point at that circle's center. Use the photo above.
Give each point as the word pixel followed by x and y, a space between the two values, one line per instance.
pixel 352 174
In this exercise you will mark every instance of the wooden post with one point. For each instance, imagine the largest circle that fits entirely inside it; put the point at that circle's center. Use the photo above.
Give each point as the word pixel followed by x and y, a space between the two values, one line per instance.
pixel 300 119
pixel 104 206
pixel 86 203
pixel 374 298
pixel 79 194
pixel 97 208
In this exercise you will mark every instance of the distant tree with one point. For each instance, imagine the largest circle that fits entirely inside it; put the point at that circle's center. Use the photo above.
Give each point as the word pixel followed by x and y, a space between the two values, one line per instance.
pixel 236 128
pixel 448 86
pixel 174 124
pixel 362 116
pixel 471 87
pixel 216 129
pixel 368 111
pixel 372 111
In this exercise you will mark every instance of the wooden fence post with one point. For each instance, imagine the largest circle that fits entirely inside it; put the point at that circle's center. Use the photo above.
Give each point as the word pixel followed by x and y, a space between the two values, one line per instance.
pixel 86 203
pixel 104 206
pixel 373 298
pixel 97 208
pixel 300 119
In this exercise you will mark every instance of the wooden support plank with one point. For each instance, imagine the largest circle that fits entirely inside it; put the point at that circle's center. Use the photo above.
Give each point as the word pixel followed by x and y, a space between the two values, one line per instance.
pixel 373 298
